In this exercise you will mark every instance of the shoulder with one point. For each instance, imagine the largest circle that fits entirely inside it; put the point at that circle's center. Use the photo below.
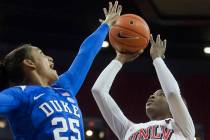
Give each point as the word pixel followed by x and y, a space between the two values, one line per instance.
pixel 15 93
pixel 13 90
pixel 32 88
pixel 23 90
pixel 57 87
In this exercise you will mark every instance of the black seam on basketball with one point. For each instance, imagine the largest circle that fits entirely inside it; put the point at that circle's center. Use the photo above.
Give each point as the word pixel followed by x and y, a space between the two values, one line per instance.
pixel 129 30
pixel 126 43
pixel 135 18
pixel 125 37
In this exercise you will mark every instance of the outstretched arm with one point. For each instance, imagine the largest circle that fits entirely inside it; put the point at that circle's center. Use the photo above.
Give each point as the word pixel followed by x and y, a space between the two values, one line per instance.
pixel 75 76
pixel 171 89
pixel 109 109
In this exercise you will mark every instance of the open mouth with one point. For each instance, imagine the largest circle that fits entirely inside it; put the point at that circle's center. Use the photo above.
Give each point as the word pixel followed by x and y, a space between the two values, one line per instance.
pixel 52 66
pixel 150 101
pixel 126 36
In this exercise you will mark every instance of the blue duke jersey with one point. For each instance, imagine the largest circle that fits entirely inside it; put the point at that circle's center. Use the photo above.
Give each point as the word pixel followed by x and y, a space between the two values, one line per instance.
pixel 52 113
pixel 46 113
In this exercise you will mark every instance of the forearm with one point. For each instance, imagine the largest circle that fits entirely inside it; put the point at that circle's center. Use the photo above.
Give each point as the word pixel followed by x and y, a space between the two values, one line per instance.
pixel 167 80
pixel 171 90
pixel 109 109
pixel 76 74
pixel 88 50
pixel 92 44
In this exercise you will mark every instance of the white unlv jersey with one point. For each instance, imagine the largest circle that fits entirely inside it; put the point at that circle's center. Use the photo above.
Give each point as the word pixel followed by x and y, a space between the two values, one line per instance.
pixel 153 130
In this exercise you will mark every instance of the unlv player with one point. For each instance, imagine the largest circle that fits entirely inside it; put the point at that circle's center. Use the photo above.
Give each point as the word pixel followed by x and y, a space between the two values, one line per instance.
pixel 170 118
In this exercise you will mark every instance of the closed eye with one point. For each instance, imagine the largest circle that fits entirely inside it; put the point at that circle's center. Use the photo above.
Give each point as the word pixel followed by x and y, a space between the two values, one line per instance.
pixel 162 94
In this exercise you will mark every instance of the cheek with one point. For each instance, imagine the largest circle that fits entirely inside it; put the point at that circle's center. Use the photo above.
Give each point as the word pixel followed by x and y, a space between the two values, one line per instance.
pixel 162 103
pixel 42 65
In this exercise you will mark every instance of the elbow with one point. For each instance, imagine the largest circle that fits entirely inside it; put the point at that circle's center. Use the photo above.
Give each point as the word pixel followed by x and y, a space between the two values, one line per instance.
pixel 98 90
pixel 191 133
pixel 98 93
pixel 95 89
pixel 173 91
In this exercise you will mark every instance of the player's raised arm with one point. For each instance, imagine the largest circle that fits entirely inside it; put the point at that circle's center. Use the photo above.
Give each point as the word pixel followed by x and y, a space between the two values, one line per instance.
pixel 171 89
pixel 75 76
pixel 109 109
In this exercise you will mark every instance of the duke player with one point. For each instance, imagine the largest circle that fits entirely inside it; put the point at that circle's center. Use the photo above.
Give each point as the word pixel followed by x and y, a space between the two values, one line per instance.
pixel 44 107
pixel 170 119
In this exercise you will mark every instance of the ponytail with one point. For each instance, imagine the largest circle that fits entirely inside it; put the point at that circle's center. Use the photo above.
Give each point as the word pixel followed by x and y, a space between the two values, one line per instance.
pixel 11 72
pixel 4 83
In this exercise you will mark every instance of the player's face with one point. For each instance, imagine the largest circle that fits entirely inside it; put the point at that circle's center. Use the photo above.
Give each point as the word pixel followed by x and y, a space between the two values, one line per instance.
pixel 157 107
pixel 43 65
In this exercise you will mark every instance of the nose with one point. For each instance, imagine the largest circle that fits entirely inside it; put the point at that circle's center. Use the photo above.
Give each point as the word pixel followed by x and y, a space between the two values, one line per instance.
pixel 152 96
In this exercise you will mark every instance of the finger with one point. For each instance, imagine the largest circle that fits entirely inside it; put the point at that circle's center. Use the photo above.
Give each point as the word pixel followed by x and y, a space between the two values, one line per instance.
pixel 101 20
pixel 114 8
pixel 115 17
pixel 164 43
pixel 158 39
pixel 151 39
pixel 136 53
pixel 135 56
pixel 161 43
pixel 141 51
pixel 119 9
pixel 163 57
pixel 117 52
pixel 110 7
pixel 105 11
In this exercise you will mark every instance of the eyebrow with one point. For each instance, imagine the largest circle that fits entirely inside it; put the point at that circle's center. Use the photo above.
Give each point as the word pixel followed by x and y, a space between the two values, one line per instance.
pixel 35 47
pixel 38 48
pixel 160 93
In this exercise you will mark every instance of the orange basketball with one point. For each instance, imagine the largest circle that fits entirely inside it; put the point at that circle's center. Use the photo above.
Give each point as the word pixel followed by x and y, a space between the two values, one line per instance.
pixel 129 34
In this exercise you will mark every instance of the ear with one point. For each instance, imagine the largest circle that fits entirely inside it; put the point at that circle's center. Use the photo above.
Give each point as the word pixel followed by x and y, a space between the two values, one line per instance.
pixel 29 64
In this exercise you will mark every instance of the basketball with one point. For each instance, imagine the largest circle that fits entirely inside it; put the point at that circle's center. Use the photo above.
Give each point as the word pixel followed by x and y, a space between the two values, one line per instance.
pixel 130 34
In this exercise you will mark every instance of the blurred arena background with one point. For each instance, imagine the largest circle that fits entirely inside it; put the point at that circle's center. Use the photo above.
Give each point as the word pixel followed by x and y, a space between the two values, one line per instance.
pixel 59 27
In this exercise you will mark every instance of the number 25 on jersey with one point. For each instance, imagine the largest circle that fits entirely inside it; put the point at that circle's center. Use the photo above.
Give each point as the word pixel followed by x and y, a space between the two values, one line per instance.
pixel 73 123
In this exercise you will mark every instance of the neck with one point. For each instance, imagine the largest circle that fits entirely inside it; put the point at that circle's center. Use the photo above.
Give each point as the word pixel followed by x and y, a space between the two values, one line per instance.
pixel 160 117
pixel 35 79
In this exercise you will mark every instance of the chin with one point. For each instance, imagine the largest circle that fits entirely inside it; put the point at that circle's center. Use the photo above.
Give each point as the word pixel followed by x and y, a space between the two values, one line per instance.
pixel 52 81
pixel 53 77
pixel 55 74
pixel 150 111
pixel 149 115
pixel 149 106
